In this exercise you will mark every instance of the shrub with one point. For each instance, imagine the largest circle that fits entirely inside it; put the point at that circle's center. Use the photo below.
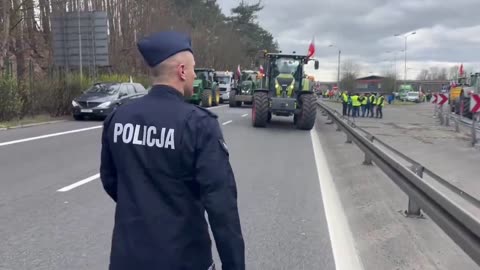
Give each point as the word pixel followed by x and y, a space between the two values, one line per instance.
pixel 10 101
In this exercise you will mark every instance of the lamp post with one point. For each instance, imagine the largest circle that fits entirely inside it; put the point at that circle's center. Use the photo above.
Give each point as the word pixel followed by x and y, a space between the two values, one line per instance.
pixel 405 36
pixel 338 65
pixel 395 68
pixel 79 41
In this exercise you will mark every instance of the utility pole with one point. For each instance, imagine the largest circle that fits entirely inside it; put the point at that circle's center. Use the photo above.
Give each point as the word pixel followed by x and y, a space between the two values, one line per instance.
pixel 405 37
pixel 338 65
pixel 79 40
pixel 338 70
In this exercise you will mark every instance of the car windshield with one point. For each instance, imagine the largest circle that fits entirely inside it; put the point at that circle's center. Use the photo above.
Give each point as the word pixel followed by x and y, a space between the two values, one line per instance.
pixel 108 89
pixel 223 79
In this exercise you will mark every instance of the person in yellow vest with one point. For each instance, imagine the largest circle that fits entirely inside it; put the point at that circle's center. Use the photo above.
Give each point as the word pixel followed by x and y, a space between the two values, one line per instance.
pixel 372 100
pixel 363 100
pixel 344 102
pixel 356 105
pixel 380 104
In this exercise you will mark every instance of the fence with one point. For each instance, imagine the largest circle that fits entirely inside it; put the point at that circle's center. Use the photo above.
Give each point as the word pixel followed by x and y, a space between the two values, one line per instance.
pixel 456 212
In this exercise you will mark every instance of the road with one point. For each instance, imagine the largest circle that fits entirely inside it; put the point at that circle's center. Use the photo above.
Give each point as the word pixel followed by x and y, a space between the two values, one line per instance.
pixel 305 201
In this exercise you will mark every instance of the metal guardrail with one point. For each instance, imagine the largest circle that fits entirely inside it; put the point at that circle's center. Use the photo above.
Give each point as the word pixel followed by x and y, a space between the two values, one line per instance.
pixel 453 210
pixel 445 117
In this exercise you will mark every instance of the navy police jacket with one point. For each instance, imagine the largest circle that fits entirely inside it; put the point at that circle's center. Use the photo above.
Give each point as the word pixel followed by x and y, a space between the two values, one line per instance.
pixel 164 162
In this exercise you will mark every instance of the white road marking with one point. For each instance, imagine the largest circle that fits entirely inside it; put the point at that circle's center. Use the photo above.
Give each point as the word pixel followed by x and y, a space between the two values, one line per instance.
pixel 245 115
pixel 343 246
pixel 228 122
pixel 79 183
pixel 221 106
pixel 49 135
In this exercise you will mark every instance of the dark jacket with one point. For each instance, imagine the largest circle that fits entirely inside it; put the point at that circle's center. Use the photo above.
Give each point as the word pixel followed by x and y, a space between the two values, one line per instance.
pixel 164 162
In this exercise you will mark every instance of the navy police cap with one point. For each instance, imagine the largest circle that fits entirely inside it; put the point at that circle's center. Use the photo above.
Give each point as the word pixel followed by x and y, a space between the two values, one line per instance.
pixel 160 46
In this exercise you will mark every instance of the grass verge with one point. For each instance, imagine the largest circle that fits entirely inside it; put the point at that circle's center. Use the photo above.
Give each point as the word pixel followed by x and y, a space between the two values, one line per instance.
pixel 38 119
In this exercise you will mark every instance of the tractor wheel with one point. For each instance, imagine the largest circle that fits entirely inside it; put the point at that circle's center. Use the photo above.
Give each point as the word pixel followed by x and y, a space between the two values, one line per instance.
pixel 207 98
pixel 308 112
pixel 231 99
pixel 260 109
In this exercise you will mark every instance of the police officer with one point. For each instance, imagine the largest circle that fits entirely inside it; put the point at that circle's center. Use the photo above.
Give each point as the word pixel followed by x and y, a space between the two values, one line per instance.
pixel 164 162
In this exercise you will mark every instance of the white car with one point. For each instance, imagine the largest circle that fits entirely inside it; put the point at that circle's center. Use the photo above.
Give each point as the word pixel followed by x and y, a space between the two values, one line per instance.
pixel 413 96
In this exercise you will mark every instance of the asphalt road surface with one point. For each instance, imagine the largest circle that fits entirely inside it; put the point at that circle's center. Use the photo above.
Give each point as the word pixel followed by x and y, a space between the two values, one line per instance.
pixel 305 202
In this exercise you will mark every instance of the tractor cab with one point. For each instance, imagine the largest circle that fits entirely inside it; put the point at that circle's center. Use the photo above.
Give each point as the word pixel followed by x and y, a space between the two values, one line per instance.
pixel 288 91
pixel 205 88
pixel 285 74
pixel 206 75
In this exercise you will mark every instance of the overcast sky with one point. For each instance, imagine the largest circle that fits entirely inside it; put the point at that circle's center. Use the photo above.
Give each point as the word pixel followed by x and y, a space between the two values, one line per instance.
pixel 447 32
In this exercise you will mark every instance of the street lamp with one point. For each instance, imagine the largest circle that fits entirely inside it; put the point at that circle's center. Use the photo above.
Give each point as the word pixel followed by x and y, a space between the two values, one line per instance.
pixel 338 67
pixel 395 67
pixel 406 36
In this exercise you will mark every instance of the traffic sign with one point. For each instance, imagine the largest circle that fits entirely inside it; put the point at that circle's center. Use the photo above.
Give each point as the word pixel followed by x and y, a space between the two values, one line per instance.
pixel 80 39
pixel 475 103
pixel 443 98
pixel 435 98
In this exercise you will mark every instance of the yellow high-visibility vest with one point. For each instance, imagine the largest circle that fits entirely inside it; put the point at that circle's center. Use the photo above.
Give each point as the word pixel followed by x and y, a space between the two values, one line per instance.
pixel 381 101
pixel 355 102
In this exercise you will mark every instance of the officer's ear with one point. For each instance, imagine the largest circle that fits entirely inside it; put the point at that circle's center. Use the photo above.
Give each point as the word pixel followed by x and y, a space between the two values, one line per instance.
pixel 181 71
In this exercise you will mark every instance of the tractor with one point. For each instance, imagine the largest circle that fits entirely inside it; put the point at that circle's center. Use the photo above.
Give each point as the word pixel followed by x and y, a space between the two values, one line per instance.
pixel 288 91
pixel 205 88
pixel 472 86
pixel 243 89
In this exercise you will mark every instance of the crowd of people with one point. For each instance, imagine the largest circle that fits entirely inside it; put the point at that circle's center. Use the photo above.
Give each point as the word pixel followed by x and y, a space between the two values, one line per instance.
pixel 362 105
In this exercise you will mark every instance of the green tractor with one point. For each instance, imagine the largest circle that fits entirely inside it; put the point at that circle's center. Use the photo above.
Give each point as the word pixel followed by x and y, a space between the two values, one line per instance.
pixel 205 88
pixel 288 91
pixel 243 90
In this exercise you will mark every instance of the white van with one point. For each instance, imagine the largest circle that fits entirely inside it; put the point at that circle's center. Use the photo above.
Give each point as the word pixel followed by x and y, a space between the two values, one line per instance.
pixel 225 83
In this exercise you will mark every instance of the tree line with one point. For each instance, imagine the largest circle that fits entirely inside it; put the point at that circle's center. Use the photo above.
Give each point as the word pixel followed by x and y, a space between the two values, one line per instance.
pixel 26 52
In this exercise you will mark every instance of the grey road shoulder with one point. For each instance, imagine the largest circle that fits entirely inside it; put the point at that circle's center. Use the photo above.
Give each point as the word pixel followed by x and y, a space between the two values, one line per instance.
pixel 385 239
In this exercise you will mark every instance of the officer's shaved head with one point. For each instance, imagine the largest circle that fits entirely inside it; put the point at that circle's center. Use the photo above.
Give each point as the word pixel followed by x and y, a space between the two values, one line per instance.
pixel 176 71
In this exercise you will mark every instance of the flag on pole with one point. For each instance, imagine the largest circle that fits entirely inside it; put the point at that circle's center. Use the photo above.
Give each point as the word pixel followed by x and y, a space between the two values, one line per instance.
pixel 461 70
pixel 239 72
pixel 311 48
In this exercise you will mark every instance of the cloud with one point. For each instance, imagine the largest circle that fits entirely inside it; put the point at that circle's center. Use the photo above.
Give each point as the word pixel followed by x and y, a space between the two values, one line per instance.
pixel 447 32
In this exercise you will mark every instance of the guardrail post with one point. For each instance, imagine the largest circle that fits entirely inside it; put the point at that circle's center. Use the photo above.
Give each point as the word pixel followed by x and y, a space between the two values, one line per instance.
pixel 474 128
pixel 441 115
pixel 368 158
pixel 349 139
pixel 457 123
pixel 414 210
pixel 447 117
pixel 330 120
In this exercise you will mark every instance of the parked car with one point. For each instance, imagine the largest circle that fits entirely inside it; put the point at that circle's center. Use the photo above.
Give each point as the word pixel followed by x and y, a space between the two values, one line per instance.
pixel 413 96
pixel 102 98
